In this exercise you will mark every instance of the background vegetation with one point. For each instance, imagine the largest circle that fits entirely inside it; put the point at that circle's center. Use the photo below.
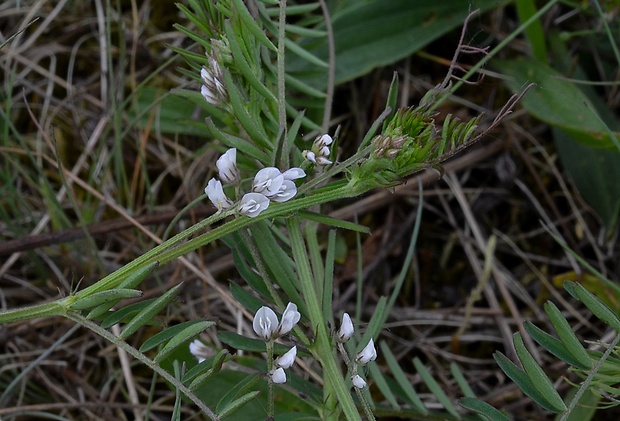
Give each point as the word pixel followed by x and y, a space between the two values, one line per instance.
pixel 98 155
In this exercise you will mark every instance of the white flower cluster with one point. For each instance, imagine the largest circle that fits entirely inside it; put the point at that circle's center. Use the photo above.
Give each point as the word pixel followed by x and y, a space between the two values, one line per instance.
pixel 266 326
pixel 366 355
pixel 319 153
pixel 270 184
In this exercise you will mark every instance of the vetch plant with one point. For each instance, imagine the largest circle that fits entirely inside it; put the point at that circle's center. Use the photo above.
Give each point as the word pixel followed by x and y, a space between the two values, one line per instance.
pixel 266 212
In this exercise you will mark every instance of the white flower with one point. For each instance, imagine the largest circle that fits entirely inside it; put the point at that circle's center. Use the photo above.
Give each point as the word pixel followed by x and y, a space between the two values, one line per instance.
pixel 215 193
pixel 358 382
pixel 227 167
pixel 346 328
pixel 368 354
pixel 287 191
pixel 278 376
pixel 252 204
pixel 288 359
pixel 213 90
pixel 265 323
pixel 277 186
pixel 293 174
pixel 268 181
pixel 319 153
pixel 290 317
pixel 198 350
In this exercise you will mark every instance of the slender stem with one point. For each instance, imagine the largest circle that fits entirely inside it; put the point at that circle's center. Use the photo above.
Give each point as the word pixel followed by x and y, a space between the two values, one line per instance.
pixel 331 72
pixel 55 308
pixel 144 359
pixel 117 276
pixel 585 385
pixel 282 133
pixel 334 380
pixel 270 398
pixel 365 405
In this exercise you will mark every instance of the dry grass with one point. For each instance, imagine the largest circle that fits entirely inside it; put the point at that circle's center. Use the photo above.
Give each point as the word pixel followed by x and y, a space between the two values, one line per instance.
pixel 85 189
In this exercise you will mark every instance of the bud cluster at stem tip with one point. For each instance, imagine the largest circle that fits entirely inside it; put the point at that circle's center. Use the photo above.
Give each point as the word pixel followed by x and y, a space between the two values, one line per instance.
pixel 319 153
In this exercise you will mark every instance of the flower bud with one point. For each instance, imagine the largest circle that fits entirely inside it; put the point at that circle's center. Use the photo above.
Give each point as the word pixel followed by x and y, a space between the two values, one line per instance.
pixel 227 167
pixel 278 376
pixel 288 359
pixel 346 328
pixel 290 317
pixel 368 354
pixel 215 193
pixel 358 382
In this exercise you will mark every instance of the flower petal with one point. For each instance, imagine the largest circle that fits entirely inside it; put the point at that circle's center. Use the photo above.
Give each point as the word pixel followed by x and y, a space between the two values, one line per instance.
pixel 288 359
pixel 265 323
pixel 290 317
pixel 252 204
pixel 358 382
pixel 287 191
pixel 267 181
pixel 346 328
pixel 368 354
pixel 293 174
pixel 278 376
pixel 215 193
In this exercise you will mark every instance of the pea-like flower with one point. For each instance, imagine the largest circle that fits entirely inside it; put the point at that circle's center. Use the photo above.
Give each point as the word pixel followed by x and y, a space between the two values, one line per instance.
pixel 268 181
pixel 358 382
pixel 266 324
pixel 290 317
pixel 288 359
pixel 319 153
pixel 278 376
pixel 227 167
pixel 215 193
pixel 277 186
pixel 368 354
pixel 252 204
pixel 346 328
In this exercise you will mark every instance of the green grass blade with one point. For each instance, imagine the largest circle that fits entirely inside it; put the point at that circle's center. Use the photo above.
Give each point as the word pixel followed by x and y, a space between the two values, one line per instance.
pixel 402 380
pixel 435 388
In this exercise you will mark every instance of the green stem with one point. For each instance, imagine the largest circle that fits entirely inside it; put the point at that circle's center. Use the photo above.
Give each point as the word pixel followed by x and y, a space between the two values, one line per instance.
pixel 113 279
pixel 270 367
pixel 55 308
pixel 586 384
pixel 164 253
pixel 144 359
pixel 334 381
pixel 367 409
pixel 284 158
